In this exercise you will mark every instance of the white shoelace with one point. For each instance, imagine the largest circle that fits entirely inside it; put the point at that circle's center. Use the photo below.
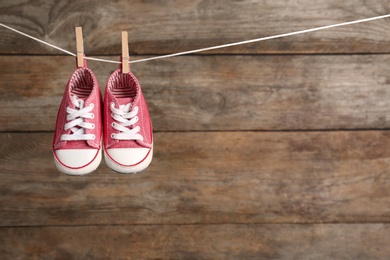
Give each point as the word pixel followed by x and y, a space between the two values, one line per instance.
pixel 76 122
pixel 126 119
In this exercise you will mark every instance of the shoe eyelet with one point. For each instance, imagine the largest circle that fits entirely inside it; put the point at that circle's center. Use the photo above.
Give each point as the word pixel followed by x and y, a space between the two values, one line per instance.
pixel 138 128
pixel 93 126
pixel 92 105
pixel 112 136
pixel 92 116
pixel 112 124
pixel 93 137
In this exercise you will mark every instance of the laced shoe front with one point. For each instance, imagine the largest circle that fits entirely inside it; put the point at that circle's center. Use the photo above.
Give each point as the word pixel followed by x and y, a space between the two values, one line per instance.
pixel 77 138
pixel 128 137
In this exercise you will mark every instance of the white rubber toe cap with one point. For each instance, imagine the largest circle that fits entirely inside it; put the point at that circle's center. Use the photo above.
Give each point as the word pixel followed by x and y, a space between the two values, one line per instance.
pixel 78 162
pixel 128 156
pixel 128 160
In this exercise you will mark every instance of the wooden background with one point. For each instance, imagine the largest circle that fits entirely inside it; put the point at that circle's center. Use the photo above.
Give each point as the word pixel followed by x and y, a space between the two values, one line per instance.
pixel 272 150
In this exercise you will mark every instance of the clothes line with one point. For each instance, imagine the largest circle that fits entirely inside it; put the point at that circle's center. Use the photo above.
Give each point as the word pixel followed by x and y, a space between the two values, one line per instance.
pixel 207 48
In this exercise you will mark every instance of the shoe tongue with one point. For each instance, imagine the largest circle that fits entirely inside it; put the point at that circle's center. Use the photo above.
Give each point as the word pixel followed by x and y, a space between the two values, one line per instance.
pixel 81 98
pixel 124 101
pixel 72 96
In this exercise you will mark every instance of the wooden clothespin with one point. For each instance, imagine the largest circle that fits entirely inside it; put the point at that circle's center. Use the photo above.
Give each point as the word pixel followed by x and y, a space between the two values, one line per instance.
pixel 125 53
pixel 79 47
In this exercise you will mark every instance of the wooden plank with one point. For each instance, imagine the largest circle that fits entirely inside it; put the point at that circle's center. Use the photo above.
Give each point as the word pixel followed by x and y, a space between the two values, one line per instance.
pixel 338 241
pixel 216 92
pixel 209 177
pixel 159 27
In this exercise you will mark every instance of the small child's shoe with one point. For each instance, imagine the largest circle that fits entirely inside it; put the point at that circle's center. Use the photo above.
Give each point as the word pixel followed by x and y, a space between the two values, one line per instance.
pixel 77 139
pixel 128 135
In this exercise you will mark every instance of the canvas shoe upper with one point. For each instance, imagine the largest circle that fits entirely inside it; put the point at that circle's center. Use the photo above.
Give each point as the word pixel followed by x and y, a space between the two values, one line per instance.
pixel 78 134
pixel 128 135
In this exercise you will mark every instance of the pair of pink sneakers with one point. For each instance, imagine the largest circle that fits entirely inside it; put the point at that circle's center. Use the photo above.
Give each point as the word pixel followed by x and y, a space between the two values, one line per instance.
pixel 85 127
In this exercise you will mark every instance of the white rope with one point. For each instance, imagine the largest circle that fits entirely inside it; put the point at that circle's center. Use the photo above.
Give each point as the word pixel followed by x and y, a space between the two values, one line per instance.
pixel 38 40
pixel 103 60
pixel 213 47
pixel 264 38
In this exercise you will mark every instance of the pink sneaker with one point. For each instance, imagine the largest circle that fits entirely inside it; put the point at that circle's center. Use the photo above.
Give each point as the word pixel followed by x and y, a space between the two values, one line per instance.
pixel 77 138
pixel 128 135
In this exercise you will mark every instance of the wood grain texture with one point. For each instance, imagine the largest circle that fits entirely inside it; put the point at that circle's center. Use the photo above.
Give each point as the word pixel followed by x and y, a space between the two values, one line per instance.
pixel 249 161
pixel 206 178
pixel 309 242
pixel 159 27
pixel 216 92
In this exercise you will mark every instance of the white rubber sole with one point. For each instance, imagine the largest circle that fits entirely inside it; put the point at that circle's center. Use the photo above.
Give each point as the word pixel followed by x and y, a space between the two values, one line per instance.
pixel 92 166
pixel 128 169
